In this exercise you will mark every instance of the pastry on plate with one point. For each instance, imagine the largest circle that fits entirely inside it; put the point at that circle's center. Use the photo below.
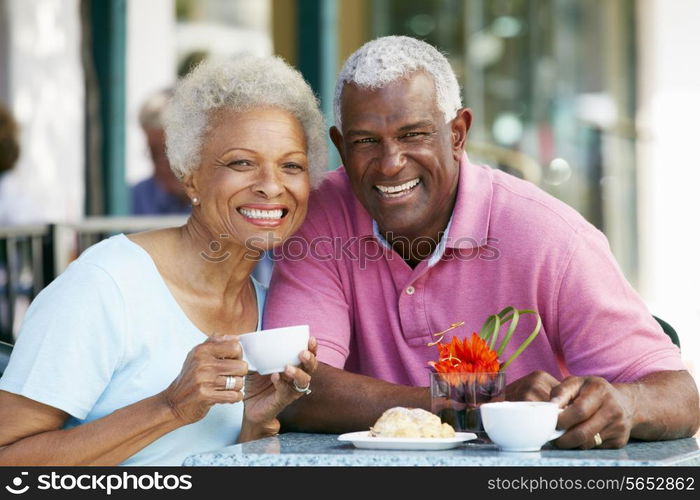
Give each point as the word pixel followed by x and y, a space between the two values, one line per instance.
pixel 410 423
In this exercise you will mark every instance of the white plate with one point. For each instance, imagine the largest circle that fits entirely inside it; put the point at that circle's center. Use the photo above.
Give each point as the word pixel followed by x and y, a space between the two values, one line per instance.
pixel 362 439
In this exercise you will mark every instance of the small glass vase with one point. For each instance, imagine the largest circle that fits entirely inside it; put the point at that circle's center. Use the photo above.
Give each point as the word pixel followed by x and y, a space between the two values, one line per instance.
pixel 456 397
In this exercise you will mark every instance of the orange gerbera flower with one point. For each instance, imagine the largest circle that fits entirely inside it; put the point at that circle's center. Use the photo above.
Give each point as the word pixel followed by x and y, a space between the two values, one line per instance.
pixel 471 355
pixel 460 359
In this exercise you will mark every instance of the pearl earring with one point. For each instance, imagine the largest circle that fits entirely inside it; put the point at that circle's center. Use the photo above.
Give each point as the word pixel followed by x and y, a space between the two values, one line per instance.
pixel 195 200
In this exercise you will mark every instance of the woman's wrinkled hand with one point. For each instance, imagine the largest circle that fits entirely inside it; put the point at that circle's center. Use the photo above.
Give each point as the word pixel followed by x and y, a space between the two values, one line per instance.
pixel 203 378
pixel 267 395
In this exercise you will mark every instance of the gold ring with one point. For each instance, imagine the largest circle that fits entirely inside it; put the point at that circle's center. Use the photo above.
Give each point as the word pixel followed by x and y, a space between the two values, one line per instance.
pixel 304 390
pixel 597 439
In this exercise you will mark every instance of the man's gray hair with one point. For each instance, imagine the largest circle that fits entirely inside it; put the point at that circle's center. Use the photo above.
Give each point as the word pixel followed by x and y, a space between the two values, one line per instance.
pixel 386 59
pixel 240 84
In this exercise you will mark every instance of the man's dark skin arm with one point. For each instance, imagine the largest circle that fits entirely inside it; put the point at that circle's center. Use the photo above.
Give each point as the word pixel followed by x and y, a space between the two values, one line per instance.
pixel 663 405
pixel 342 401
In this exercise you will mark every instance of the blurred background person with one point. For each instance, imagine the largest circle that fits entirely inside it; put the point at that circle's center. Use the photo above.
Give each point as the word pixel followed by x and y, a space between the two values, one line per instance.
pixel 14 209
pixel 9 146
pixel 161 193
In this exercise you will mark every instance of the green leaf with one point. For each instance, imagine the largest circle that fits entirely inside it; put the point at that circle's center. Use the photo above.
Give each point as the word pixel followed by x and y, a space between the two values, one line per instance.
pixel 487 328
pixel 513 324
pixel 527 341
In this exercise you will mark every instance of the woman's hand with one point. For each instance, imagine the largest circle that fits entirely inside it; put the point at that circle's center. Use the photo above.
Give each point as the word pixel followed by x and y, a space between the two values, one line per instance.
pixel 202 380
pixel 32 432
pixel 267 396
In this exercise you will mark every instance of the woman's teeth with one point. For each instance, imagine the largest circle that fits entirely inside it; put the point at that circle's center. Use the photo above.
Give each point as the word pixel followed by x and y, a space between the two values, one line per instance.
pixel 399 190
pixel 261 214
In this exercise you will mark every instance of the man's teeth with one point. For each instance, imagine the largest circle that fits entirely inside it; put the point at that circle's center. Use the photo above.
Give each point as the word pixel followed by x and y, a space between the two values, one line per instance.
pixel 393 190
pixel 254 213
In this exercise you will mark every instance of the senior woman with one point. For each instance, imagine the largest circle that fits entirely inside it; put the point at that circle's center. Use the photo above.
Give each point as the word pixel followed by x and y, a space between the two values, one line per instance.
pixel 131 355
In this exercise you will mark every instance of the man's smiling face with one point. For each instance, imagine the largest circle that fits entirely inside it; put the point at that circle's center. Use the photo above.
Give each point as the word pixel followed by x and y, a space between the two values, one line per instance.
pixel 400 155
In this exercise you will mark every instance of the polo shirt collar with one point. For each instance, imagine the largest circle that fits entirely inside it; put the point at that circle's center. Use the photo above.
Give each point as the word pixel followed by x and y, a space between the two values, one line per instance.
pixel 437 253
pixel 472 207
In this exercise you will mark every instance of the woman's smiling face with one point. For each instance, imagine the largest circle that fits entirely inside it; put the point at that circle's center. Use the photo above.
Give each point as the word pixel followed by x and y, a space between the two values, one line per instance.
pixel 252 183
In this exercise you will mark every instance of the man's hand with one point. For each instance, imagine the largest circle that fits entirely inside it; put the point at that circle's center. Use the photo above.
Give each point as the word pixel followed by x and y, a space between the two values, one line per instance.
pixel 661 405
pixel 592 406
pixel 536 386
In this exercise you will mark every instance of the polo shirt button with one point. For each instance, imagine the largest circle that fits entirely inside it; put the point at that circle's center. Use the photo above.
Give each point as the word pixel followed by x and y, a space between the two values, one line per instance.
pixel 410 290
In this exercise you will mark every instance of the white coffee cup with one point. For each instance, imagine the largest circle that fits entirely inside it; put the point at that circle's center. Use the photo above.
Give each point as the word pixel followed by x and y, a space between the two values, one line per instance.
pixel 269 351
pixel 521 425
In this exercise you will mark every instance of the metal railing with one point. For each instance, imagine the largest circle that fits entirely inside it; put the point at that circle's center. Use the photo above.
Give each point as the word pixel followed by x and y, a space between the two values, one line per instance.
pixel 70 240
pixel 32 256
pixel 24 271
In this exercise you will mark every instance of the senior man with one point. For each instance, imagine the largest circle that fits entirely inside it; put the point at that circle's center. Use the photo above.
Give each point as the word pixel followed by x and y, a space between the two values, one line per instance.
pixel 409 237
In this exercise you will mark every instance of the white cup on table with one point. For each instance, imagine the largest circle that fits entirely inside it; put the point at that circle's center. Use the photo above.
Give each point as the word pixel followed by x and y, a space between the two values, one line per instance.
pixel 521 425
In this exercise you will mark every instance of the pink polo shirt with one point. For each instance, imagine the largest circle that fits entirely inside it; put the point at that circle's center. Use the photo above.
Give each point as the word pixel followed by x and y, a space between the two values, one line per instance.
pixel 508 243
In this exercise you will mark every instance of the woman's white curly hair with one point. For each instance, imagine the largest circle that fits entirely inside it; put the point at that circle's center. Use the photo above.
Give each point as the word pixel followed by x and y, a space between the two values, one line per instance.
pixel 241 84
pixel 386 59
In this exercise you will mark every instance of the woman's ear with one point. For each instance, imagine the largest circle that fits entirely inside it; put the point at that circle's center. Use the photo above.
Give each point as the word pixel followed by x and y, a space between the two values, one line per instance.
pixel 460 128
pixel 189 184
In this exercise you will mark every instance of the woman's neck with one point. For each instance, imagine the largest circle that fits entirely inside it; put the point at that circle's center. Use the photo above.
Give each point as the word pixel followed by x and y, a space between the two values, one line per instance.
pixel 212 288
pixel 212 264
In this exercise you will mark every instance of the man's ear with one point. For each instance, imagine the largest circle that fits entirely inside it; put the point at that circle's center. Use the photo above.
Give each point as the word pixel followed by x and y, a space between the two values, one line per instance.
pixel 337 139
pixel 460 128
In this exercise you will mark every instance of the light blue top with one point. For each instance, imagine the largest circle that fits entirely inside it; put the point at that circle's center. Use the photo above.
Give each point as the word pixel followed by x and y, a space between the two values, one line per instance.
pixel 108 333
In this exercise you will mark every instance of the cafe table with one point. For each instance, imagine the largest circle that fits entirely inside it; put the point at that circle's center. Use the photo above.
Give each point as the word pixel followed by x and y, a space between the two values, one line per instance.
pixel 301 449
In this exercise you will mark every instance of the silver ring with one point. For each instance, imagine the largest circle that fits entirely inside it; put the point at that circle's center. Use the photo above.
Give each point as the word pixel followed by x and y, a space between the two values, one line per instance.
pixel 230 383
pixel 305 390
pixel 597 439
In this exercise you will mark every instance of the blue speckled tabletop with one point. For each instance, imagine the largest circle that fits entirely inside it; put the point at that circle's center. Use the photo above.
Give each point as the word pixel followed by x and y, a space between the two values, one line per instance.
pixel 325 450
